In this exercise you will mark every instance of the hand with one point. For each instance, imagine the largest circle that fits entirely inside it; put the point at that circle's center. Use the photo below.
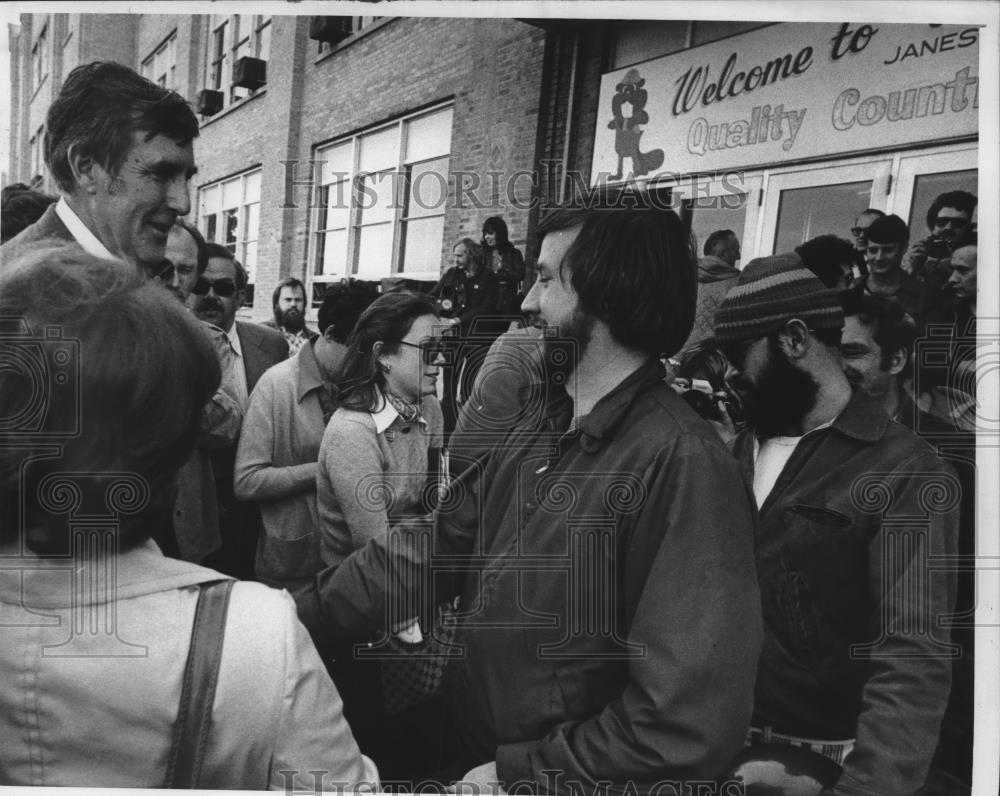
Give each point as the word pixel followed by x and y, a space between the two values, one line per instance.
pixel 481 779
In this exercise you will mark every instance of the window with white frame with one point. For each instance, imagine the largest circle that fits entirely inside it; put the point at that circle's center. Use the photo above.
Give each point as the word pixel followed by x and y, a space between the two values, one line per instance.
pixel 40 59
pixel 231 37
pixel 380 201
pixel 352 25
pixel 229 213
pixel 161 65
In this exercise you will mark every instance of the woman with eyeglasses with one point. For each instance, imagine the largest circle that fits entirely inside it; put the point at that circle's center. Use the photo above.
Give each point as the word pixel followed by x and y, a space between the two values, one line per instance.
pixel 379 458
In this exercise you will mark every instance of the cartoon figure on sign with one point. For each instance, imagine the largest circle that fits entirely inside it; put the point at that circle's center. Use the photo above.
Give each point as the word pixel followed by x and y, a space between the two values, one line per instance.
pixel 629 109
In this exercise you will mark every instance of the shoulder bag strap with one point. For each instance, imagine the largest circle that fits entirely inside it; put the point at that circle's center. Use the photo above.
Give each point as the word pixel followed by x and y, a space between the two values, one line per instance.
pixel 194 716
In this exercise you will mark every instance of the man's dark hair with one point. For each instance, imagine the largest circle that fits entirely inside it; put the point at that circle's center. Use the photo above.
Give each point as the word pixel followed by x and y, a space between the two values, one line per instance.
pixel 889 229
pixel 342 305
pixel 218 250
pixel 634 269
pixel 99 107
pixel 960 200
pixel 21 207
pixel 147 370
pixel 894 328
pixel 289 281
pixel 824 255
pixel 199 241
pixel 719 237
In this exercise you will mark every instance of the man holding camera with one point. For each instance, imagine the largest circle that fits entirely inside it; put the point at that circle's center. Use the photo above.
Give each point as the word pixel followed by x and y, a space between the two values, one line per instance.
pixel 949 220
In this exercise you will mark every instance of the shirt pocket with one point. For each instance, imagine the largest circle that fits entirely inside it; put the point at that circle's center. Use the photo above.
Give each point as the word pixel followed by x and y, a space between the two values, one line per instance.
pixel 820 588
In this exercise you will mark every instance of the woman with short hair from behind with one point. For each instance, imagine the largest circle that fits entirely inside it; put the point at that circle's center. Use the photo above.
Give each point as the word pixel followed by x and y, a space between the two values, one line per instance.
pixel 104 378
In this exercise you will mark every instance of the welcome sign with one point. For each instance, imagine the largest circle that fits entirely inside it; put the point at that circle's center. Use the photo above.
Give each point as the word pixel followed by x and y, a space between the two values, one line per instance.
pixel 787 92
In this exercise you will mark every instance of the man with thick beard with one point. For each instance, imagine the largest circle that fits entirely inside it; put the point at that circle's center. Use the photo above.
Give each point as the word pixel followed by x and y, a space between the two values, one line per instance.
pixel 609 621
pixel 289 304
pixel 853 668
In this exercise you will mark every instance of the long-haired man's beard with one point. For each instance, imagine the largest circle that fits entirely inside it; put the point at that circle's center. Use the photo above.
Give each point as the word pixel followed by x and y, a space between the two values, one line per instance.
pixel 780 399
pixel 578 329
pixel 291 319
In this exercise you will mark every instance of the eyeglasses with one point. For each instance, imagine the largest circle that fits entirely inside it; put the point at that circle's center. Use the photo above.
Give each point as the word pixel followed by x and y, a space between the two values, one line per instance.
pixel 430 350
pixel 223 288
pixel 857 232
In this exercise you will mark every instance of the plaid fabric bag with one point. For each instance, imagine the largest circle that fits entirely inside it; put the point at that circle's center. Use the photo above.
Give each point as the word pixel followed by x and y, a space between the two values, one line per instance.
pixel 415 673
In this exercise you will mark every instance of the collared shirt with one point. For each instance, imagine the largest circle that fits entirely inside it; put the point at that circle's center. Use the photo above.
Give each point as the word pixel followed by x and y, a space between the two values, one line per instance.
pixel 239 368
pixel 295 340
pixel 87 240
pixel 387 414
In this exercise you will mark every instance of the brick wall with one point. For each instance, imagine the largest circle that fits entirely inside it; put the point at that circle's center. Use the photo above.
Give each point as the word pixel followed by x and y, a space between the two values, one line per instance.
pixel 490 68
pixel 109 37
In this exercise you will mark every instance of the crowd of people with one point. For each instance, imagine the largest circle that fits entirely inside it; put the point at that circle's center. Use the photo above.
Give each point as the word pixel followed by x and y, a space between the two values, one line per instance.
pixel 528 585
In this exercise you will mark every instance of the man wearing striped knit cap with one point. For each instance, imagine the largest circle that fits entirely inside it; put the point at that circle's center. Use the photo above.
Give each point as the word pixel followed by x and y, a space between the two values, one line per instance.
pixel 855 671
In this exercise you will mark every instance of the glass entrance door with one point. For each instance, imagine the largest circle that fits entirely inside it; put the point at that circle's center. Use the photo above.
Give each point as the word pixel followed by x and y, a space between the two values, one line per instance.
pixel 923 177
pixel 824 200
pixel 730 201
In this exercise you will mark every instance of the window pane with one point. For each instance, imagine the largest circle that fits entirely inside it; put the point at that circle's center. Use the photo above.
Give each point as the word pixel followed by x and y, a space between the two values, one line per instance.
pixel 804 213
pixel 427 188
pixel 422 240
pixel 251 187
pixel 250 260
pixel 927 187
pixel 231 193
pixel 374 251
pixel 253 221
pixel 265 43
pixel 333 248
pixel 379 151
pixel 211 224
pixel 338 161
pixel 376 198
pixel 209 201
pixel 335 213
pixel 230 227
pixel 429 136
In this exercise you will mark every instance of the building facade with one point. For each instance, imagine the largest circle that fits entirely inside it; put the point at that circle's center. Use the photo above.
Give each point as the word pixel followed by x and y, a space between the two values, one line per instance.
pixel 366 147
pixel 330 147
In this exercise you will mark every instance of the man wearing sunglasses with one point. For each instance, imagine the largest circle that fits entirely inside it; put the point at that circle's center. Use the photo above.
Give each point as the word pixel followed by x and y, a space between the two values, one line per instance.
pixel 854 668
pixel 949 221
pixel 251 349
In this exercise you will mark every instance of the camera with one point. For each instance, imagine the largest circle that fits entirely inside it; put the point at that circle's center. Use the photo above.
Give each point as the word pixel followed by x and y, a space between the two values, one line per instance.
pixel 938 247
pixel 41 381
pixel 717 405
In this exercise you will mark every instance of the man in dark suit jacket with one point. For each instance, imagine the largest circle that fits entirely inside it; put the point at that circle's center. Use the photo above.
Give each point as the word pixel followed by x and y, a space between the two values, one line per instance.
pixel 253 348
pixel 119 148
